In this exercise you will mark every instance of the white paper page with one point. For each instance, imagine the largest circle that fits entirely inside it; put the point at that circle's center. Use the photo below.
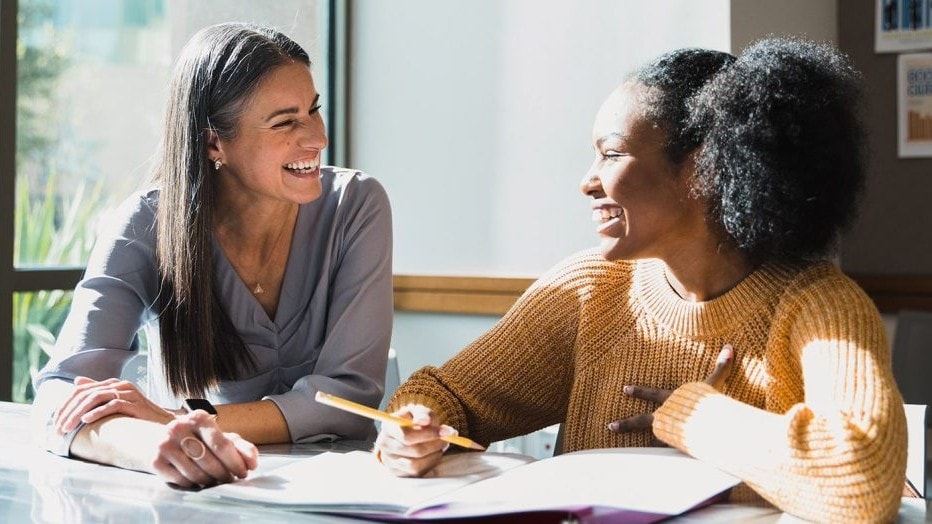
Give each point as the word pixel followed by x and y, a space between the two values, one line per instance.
pixel 649 480
pixel 356 482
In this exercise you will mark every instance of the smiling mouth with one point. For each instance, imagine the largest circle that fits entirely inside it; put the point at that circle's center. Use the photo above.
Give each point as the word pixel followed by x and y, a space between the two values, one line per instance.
pixel 604 215
pixel 302 168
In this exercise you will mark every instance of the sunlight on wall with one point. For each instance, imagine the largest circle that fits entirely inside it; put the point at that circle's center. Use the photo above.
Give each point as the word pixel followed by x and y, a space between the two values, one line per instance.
pixel 477 118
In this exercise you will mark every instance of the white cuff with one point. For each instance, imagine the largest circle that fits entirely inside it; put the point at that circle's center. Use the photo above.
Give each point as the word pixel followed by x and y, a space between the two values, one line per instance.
pixel 61 446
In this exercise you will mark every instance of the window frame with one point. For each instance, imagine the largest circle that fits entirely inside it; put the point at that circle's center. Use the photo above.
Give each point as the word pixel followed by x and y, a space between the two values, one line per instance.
pixel 13 280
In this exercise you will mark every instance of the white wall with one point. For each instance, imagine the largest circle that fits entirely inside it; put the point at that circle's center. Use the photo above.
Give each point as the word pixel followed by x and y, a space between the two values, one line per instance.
pixel 430 339
pixel 477 118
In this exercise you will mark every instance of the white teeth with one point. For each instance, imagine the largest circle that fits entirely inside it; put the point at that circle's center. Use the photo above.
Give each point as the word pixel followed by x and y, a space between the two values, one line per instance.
pixel 305 166
pixel 599 215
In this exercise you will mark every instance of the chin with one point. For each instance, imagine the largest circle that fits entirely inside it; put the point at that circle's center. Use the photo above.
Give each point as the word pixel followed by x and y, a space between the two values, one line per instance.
pixel 614 249
pixel 609 248
pixel 307 198
pixel 309 194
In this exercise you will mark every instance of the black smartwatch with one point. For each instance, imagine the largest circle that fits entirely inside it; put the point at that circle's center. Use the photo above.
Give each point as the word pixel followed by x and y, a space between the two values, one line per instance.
pixel 191 404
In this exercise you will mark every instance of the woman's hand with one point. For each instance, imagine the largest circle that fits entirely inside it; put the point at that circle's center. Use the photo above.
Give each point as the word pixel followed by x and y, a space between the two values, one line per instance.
pixel 415 450
pixel 93 400
pixel 644 421
pixel 196 453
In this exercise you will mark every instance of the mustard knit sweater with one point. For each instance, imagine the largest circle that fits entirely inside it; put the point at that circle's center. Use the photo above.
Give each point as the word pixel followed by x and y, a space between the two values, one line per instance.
pixel 810 417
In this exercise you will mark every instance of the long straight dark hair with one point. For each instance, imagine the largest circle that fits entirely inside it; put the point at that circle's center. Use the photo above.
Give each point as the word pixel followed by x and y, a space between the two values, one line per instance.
pixel 218 71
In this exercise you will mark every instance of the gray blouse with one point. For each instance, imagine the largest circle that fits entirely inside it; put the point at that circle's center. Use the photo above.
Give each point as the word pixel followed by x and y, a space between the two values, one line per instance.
pixel 331 330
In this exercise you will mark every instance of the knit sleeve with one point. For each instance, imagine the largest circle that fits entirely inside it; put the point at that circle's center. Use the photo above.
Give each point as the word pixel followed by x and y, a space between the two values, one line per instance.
pixel 516 378
pixel 838 453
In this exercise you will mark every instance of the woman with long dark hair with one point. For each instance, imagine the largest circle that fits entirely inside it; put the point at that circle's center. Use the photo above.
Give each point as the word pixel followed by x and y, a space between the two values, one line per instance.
pixel 258 275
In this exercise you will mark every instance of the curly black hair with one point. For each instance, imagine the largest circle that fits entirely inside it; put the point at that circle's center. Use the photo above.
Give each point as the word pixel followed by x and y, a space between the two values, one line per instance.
pixel 672 79
pixel 782 159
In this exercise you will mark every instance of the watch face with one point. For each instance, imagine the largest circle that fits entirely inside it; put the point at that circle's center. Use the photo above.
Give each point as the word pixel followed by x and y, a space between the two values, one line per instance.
pixel 198 403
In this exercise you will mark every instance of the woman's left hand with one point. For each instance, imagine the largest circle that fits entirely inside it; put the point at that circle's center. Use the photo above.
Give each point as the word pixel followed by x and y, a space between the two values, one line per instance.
pixel 93 400
pixel 195 453
pixel 645 421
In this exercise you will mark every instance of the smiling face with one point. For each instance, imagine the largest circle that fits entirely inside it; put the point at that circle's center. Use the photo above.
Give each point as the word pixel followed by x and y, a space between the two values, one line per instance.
pixel 275 153
pixel 641 199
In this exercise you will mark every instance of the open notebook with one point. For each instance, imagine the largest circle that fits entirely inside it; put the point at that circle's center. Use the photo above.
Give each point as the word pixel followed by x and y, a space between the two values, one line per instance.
pixel 626 484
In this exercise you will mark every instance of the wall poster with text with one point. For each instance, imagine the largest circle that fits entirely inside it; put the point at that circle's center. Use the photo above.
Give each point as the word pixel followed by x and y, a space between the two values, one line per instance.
pixel 903 25
pixel 914 104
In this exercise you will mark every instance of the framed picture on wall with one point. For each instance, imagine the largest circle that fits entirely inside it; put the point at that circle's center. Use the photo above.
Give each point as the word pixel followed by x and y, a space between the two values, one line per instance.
pixel 903 25
pixel 914 104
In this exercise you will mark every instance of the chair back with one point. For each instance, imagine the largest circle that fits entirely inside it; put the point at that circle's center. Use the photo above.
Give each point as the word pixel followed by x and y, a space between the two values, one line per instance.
pixel 917 466
pixel 912 365
pixel 392 378
pixel 912 356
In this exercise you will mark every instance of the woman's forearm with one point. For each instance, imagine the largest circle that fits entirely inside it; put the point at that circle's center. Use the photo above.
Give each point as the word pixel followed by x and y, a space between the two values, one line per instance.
pixel 120 441
pixel 260 422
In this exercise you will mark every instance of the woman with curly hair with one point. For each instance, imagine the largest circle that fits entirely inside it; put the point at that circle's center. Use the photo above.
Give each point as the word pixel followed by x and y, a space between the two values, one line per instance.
pixel 711 317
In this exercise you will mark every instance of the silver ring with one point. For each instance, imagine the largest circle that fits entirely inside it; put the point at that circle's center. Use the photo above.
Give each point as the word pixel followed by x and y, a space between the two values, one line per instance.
pixel 117 393
pixel 187 451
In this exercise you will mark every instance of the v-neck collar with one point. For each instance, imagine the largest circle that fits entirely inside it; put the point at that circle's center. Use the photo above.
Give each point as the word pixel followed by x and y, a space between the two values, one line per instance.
pixel 256 310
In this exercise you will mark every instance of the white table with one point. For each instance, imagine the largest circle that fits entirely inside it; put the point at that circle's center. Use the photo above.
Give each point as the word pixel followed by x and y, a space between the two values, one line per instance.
pixel 37 486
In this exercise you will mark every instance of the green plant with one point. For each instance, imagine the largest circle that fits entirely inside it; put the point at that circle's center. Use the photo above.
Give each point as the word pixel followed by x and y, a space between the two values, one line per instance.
pixel 53 215
pixel 52 230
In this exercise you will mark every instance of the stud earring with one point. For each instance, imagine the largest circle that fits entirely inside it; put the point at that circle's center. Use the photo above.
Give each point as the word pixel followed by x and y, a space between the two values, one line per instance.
pixel 217 165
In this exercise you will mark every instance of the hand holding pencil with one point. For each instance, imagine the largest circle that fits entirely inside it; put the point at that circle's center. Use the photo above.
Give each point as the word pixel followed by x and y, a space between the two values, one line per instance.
pixel 381 416
pixel 410 444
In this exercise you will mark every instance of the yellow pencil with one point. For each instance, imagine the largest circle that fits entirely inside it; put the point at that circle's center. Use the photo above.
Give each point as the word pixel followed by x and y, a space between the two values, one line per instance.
pixel 374 414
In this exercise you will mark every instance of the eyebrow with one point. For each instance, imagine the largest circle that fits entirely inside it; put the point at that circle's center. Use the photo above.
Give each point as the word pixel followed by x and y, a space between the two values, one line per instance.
pixel 290 110
pixel 619 136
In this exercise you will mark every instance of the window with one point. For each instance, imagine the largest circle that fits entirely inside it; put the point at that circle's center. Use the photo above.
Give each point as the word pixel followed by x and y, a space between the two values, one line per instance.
pixel 88 97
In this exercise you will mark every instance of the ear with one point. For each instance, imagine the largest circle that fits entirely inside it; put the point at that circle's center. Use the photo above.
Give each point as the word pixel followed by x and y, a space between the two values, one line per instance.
pixel 686 170
pixel 687 176
pixel 214 147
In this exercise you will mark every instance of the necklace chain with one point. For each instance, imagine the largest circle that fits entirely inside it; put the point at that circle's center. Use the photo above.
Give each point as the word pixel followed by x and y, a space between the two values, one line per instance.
pixel 256 288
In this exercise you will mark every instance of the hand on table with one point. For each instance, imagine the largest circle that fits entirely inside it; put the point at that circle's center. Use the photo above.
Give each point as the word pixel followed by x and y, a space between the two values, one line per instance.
pixel 196 453
pixel 93 400
pixel 644 421
pixel 415 450
pixel 192 451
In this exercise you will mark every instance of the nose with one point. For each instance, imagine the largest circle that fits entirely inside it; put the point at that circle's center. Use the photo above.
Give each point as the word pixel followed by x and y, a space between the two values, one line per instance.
pixel 591 184
pixel 313 135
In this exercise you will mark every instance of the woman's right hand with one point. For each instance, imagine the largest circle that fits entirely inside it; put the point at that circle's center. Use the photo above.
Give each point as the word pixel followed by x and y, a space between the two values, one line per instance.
pixel 645 421
pixel 93 400
pixel 196 453
pixel 415 450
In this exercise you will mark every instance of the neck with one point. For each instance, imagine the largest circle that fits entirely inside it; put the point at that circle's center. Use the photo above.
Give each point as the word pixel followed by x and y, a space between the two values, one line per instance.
pixel 257 242
pixel 698 277
pixel 256 224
